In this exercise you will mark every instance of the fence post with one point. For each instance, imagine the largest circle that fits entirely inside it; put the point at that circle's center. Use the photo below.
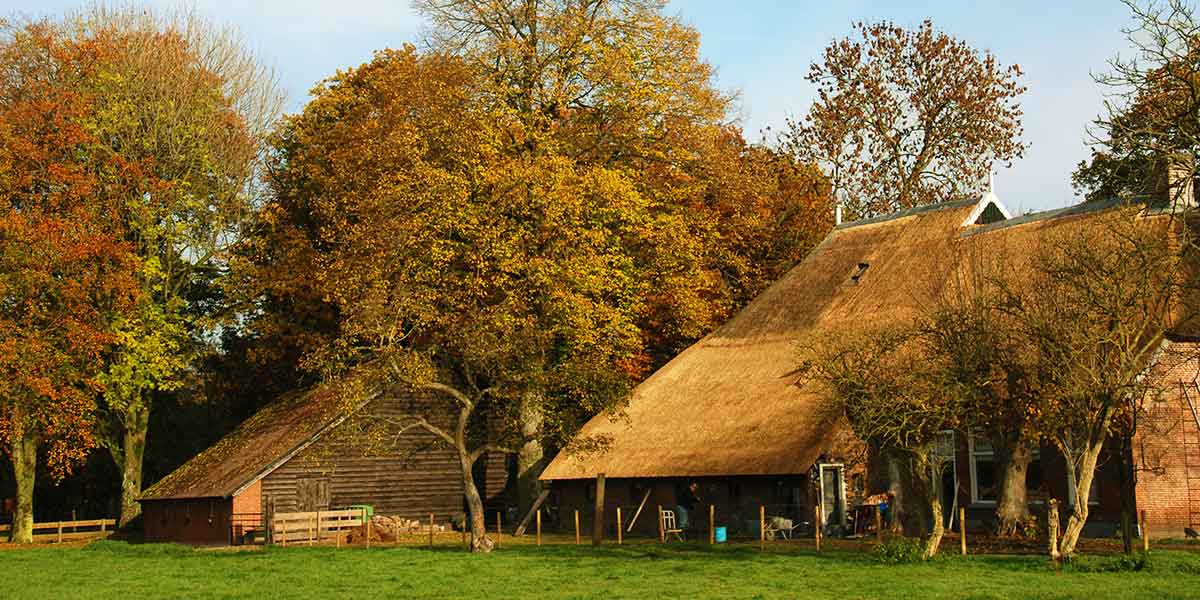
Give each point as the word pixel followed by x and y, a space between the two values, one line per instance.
pixel 1145 534
pixel 431 530
pixel 962 528
pixel 762 528
pixel 620 527
pixel 499 531
pixel 539 527
pixel 712 525
pixel 283 533
pixel 466 544
pixel 311 527
pixel 577 542
pixel 817 524
pixel 878 525
pixel 661 527
pixel 60 532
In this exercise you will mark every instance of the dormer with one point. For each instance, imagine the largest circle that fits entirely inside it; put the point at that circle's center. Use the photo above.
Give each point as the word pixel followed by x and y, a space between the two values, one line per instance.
pixel 989 209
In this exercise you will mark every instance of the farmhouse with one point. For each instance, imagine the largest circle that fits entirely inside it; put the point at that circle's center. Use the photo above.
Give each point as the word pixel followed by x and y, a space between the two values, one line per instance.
pixel 733 414
pixel 308 452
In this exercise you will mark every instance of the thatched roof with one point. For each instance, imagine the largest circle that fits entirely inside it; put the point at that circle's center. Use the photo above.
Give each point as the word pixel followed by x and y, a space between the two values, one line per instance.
pixel 255 448
pixel 729 404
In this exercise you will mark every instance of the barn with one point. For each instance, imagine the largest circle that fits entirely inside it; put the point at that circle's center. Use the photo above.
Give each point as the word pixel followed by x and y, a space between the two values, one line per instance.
pixel 310 451
pixel 733 414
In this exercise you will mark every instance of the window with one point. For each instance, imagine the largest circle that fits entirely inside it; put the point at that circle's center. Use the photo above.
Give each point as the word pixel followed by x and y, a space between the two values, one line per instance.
pixel 985 477
pixel 859 272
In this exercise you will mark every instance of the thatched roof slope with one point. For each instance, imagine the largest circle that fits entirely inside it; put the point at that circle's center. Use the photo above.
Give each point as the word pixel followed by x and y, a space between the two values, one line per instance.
pixel 257 446
pixel 729 404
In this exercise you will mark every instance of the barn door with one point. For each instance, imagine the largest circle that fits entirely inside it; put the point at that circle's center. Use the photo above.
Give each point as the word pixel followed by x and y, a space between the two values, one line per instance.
pixel 833 496
pixel 312 494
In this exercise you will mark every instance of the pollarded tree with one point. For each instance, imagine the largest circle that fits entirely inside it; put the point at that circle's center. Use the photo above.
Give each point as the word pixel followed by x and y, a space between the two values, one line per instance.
pixel 64 267
pixel 896 397
pixel 908 117
pixel 456 267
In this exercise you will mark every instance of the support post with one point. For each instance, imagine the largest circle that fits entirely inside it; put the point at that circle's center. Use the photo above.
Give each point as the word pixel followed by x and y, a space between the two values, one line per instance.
pixel 577 541
pixel 817 525
pixel 60 532
pixel 1145 534
pixel 962 529
pixel 598 523
pixel 499 531
pixel 712 525
pixel 283 533
pixel 762 528
pixel 661 528
pixel 368 519
pixel 466 544
pixel 431 530
pixel 878 525
pixel 620 527
pixel 539 527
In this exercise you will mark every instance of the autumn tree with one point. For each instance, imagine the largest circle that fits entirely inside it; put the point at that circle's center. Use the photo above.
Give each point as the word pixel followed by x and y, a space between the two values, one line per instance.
pixel 64 267
pixel 619 85
pixel 908 117
pixel 894 395
pixel 182 105
pixel 1099 303
pixel 1144 142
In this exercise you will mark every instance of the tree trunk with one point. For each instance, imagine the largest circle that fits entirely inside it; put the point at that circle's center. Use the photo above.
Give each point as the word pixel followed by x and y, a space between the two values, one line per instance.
pixel 934 497
pixel 1012 502
pixel 479 539
pixel 1127 482
pixel 531 458
pixel 23 450
pixel 1083 485
pixel 911 501
pixel 133 450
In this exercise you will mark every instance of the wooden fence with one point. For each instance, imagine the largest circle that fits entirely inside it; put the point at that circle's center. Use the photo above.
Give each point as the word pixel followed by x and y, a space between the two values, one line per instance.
pixel 312 527
pixel 61 531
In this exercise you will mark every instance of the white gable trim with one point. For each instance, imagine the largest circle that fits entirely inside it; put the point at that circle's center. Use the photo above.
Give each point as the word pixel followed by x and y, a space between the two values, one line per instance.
pixel 987 199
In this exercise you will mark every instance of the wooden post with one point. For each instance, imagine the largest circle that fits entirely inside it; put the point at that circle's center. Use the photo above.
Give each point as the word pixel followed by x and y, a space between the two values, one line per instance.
pixel 577 541
pixel 1051 529
pixel 311 527
pixel 878 525
pixel 712 525
pixel 499 531
pixel 1145 534
pixel 103 525
pixel 661 528
pixel 60 532
pixel 620 527
pixel 283 533
pixel 431 530
pixel 598 523
pixel 962 529
pixel 762 528
pixel 466 544
pixel 817 525
pixel 539 527
pixel 368 519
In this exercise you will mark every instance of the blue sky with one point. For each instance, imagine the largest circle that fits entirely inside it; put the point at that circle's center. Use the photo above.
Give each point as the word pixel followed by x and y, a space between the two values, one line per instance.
pixel 761 49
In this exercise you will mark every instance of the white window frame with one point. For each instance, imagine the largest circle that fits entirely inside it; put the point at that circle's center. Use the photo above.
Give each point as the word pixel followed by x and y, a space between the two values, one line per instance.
pixel 974 478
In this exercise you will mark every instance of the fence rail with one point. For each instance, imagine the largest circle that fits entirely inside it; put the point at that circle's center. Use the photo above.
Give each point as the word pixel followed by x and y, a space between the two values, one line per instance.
pixel 311 527
pixel 61 531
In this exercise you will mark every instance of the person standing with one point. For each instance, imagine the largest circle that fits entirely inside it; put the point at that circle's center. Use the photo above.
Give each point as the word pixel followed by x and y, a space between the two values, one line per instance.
pixel 686 502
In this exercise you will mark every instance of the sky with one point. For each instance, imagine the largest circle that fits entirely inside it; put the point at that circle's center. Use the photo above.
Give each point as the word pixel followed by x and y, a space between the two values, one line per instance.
pixel 761 49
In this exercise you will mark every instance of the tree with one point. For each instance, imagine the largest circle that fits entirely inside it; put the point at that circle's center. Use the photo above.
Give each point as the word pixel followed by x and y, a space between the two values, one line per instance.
pixel 906 118
pixel 1099 302
pixel 619 85
pixel 64 268
pixel 1145 141
pixel 881 380
pixel 181 105
pixel 982 349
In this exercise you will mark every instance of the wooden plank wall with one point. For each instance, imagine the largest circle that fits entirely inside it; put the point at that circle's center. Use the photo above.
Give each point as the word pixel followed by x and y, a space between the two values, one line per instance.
pixel 410 479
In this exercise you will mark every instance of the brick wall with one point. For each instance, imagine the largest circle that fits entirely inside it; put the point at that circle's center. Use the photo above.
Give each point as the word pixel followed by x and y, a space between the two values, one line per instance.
pixel 1167 448
pixel 249 502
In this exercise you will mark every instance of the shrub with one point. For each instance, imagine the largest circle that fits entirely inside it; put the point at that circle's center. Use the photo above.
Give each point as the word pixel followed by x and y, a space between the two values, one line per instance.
pixel 900 550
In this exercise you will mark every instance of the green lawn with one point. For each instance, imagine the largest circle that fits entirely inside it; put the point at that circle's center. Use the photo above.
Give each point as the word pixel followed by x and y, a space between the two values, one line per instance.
pixel 124 571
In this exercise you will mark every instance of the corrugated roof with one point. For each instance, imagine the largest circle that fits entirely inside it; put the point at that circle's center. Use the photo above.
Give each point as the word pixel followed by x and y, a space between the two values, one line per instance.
pixel 729 404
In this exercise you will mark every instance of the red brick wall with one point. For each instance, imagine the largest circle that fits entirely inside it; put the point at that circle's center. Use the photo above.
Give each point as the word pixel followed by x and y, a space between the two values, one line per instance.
pixel 1167 448
pixel 249 502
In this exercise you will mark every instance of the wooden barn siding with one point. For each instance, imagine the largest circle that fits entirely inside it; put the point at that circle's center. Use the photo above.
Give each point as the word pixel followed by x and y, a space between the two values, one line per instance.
pixel 418 479
pixel 188 521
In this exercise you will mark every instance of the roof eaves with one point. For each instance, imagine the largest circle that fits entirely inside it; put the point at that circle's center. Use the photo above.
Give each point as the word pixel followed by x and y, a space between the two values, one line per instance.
pixel 900 214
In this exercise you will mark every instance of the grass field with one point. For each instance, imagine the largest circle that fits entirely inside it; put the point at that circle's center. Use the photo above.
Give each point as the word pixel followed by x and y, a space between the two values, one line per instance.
pixel 125 571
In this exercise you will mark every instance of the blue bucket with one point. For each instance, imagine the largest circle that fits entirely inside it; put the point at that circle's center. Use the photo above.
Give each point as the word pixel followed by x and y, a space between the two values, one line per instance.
pixel 719 535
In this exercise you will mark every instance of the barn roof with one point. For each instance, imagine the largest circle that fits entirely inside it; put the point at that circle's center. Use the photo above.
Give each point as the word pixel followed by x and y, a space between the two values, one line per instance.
pixel 255 448
pixel 730 403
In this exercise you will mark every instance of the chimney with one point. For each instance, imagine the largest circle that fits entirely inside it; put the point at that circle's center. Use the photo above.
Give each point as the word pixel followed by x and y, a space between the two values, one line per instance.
pixel 837 214
pixel 1181 172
